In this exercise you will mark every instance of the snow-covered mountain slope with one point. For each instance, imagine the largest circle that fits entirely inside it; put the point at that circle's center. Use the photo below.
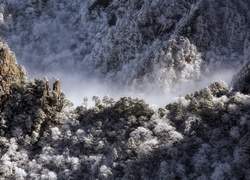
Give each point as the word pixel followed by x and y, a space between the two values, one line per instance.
pixel 142 45
pixel 145 45
pixel 204 135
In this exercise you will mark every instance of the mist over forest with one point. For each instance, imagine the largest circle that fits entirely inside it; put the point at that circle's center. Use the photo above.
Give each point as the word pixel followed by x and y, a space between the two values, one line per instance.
pixel 122 89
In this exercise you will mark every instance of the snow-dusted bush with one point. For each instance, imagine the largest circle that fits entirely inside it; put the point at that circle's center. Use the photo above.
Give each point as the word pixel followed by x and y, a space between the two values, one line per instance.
pixel 141 134
pixel 55 132
pixel 221 171
pixel 48 175
pixel 19 173
pixel 104 172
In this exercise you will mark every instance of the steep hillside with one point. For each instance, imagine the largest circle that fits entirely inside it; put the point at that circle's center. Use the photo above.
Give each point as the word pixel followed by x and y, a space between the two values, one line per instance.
pixel 147 45
pixel 154 48
pixel 204 135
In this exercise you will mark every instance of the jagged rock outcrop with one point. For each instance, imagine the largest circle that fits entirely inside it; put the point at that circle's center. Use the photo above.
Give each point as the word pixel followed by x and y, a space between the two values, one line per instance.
pixel 10 72
pixel 57 86
pixel 26 106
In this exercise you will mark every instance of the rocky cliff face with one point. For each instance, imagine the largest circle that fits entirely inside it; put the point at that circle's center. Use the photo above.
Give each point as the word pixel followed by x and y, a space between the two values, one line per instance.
pixel 204 135
pixel 29 107
pixel 11 73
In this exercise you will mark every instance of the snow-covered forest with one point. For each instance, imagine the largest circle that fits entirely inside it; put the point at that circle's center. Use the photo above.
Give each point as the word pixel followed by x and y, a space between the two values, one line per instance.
pixel 146 48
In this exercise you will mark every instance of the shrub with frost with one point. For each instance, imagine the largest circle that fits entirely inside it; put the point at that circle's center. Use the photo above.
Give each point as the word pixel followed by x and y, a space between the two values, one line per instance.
pixel 85 102
pixel 46 174
pixel 200 159
pixel 55 133
pixel 221 171
pixel 106 100
pixel 148 146
pixel 6 166
pixel 19 173
pixel 235 132
pixel 141 134
pixel 162 129
pixel 97 100
pixel 219 88
pixel 104 172
pixel 11 163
